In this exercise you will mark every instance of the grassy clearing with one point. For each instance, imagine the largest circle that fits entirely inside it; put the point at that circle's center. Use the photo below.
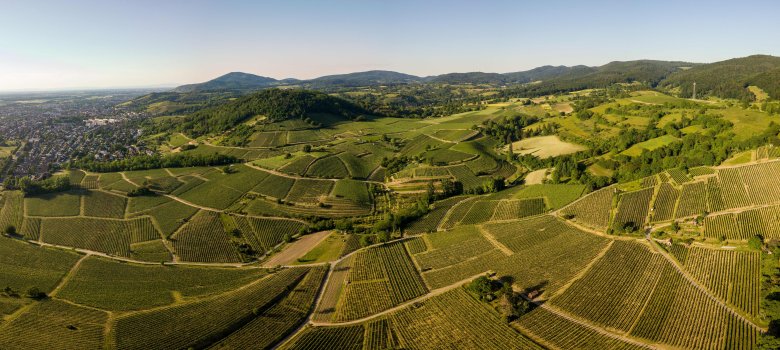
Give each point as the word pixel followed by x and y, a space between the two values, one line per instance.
pixel 658 142
pixel 536 177
pixel 739 158
pixel 760 94
pixel 556 195
pixel 545 146
pixel 747 122
pixel 328 250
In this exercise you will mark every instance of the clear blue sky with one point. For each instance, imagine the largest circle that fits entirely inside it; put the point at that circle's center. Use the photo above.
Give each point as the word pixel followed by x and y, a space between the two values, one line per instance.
pixel 107 43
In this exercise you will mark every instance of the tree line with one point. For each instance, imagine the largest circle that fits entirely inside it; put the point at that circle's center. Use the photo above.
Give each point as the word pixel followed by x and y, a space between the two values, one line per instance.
pixel 144 162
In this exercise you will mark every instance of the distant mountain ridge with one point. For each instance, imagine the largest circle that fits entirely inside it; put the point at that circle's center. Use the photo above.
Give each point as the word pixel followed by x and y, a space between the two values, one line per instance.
pixel 728 78
pixel 372 77
pixel 246 81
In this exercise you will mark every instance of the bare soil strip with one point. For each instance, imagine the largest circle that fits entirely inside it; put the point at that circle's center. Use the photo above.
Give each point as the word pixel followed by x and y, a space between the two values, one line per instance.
pixel 297 249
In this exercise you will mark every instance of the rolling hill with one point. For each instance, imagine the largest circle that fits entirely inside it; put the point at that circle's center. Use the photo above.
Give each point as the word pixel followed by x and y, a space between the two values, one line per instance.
pixel 272 105
pixel 730 78
pixel 368 78
pixel 230 81
pixel 648 72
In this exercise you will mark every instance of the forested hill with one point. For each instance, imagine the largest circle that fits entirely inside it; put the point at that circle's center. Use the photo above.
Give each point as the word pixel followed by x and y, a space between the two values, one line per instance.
pixel 273 104
pixel 538 73
pixel 648 72
pixel 369 78
pixel 468 78
pixel 730 78
pixel 554 78
pixel 547 72
pixel 230 81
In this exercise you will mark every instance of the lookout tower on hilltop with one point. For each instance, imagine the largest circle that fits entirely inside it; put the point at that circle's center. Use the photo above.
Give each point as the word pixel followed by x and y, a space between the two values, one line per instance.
pixel 694 90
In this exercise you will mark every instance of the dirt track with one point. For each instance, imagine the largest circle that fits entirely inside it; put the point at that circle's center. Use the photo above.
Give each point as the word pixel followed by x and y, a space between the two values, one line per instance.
pixel 297 249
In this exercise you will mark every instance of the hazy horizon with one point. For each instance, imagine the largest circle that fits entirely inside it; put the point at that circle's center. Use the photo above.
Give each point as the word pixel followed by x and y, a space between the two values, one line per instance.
pixel 49 45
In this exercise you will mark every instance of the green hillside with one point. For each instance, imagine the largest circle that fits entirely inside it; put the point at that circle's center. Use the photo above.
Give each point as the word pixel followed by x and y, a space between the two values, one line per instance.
pixel 272 105
pixel 730 78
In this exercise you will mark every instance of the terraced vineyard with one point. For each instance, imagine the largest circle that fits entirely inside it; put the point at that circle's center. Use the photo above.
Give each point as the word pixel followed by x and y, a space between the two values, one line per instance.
pixel 733 276
pixel 721 227
pixel 103 204
pixel 681 315
pixel 428 325
pixel 362 231
pixel 693 200
pixel 665 202
pixel 55 325
pixel 280 319
pixel 454 319
pixel 173 327
pixel 633 207
pixel 597 292
pixel 518 209
pixel 203 239
pixel 628 290
pixel 592 210
pixel 379 279
pixel 559 332
pixel 433 219
pixel 108 236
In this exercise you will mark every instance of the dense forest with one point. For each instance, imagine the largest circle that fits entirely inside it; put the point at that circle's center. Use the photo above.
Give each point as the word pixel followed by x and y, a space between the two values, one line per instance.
pixel 729 79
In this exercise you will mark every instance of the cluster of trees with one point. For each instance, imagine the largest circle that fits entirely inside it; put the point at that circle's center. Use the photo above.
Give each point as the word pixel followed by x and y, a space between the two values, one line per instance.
pixel 32 187
pixel 511 129
pixel 141 191
pixel 568 169
pixel 510 304
pixel 32 293
pixel 395 164
pixel 396 220
pixel 176 160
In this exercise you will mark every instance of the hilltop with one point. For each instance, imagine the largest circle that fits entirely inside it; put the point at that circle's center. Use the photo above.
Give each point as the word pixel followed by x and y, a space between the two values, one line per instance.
pixel 267 106
pixel 230 81
pixel 368 78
